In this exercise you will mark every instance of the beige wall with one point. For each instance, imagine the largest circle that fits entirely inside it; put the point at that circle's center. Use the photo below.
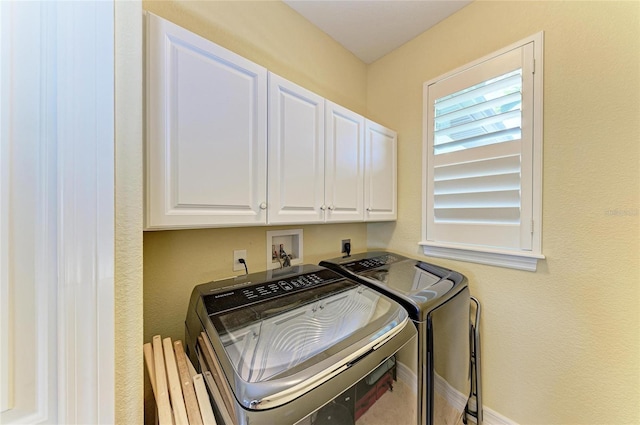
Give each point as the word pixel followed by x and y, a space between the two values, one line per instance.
pixel 176 261
pixel 561 345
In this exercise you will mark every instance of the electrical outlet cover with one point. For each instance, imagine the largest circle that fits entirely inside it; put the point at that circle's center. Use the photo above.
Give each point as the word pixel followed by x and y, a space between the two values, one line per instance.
pixel 344 241
pixel 238 254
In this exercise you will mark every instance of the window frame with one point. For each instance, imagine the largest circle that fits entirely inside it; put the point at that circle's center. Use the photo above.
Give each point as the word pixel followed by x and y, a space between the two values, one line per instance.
pixel 510 258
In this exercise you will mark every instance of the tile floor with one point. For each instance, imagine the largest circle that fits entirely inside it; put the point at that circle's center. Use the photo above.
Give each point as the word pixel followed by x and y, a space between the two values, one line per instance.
pixel 398 407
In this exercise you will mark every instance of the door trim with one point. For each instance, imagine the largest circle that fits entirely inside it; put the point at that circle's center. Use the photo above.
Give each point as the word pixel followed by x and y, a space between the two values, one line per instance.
pixel 57 215
pixel 85 100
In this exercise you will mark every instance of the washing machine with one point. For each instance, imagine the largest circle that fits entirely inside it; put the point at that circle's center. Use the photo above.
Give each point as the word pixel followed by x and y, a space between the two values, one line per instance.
pixel 289 346
pixel 437 301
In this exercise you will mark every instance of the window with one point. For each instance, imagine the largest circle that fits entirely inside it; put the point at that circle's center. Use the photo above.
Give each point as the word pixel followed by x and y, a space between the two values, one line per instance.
pixel 483 159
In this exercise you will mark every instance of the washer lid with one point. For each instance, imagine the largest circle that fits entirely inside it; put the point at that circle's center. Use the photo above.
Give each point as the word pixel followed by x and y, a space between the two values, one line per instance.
pixel 277 349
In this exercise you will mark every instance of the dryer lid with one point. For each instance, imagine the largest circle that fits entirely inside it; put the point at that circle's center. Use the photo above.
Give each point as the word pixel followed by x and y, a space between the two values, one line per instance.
pixel 420 286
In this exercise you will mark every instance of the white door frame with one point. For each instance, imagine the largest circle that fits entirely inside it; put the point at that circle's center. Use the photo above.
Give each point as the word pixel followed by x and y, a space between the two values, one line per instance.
pixel 57 212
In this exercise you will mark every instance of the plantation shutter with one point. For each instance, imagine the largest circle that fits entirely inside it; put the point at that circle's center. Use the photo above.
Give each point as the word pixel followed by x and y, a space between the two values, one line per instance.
pixel 479 154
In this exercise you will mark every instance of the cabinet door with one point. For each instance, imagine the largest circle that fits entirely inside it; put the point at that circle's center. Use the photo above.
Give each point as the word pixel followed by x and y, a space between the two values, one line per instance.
pixel 380 192
pixel 344 164
pixel 296 153
pixel 206 138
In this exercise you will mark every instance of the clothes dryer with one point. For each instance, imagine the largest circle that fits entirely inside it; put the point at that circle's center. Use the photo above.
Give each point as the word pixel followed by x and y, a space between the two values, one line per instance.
pixel 437 300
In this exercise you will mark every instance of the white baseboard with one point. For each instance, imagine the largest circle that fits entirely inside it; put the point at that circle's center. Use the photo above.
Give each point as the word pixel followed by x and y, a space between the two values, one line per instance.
pixel 407 376
pixel 491 417
pixel 454 397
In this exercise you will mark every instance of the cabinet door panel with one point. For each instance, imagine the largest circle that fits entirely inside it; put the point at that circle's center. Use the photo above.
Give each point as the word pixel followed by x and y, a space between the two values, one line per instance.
pixel 206 162
pixel 296 153
pixel 344 164
pixel 380 173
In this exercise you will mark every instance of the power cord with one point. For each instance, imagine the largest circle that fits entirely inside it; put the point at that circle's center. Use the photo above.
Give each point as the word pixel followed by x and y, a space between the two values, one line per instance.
pixel 241 261
pixel 347 249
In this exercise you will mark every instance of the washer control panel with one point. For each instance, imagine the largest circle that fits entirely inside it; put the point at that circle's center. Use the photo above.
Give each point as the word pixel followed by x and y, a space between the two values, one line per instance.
pixel 249 294
pixel 267 290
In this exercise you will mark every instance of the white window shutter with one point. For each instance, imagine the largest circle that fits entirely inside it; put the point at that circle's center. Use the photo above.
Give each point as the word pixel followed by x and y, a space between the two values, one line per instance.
pixel 479 154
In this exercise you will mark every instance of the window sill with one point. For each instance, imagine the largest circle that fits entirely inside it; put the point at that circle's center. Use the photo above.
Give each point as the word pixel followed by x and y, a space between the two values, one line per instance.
pixel 514 260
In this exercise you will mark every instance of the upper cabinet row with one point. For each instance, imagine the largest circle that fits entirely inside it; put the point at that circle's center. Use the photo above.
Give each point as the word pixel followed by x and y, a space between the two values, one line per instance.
pixel 231 144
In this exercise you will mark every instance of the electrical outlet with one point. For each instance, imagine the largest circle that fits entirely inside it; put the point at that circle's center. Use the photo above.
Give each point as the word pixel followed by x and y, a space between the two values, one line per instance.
pixel 238 254
pixel 344 248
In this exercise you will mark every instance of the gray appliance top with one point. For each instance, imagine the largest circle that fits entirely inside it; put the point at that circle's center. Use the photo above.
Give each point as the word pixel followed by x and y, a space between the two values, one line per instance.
pixel 418 286
pixel 279 335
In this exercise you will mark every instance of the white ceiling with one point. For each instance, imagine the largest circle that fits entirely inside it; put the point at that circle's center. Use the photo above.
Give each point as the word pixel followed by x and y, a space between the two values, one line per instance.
pixel 371 29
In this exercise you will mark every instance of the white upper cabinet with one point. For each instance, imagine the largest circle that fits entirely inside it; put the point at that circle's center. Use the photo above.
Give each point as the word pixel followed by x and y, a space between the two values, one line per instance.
pixel 206 133
pixel 344 164
pixel 380 177
pixel 214 122
pixel 296 153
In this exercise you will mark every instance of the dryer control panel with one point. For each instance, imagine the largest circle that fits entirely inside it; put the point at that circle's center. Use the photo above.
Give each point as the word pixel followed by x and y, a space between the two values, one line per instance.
pixel 371 263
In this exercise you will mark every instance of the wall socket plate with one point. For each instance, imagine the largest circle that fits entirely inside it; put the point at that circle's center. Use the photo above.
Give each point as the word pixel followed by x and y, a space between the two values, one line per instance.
pixel 238 254
pixel 343 249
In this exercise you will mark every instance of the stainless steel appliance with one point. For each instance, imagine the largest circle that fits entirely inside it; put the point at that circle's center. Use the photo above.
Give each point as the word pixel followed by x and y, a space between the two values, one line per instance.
pixel 437 300
pixel 279 347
